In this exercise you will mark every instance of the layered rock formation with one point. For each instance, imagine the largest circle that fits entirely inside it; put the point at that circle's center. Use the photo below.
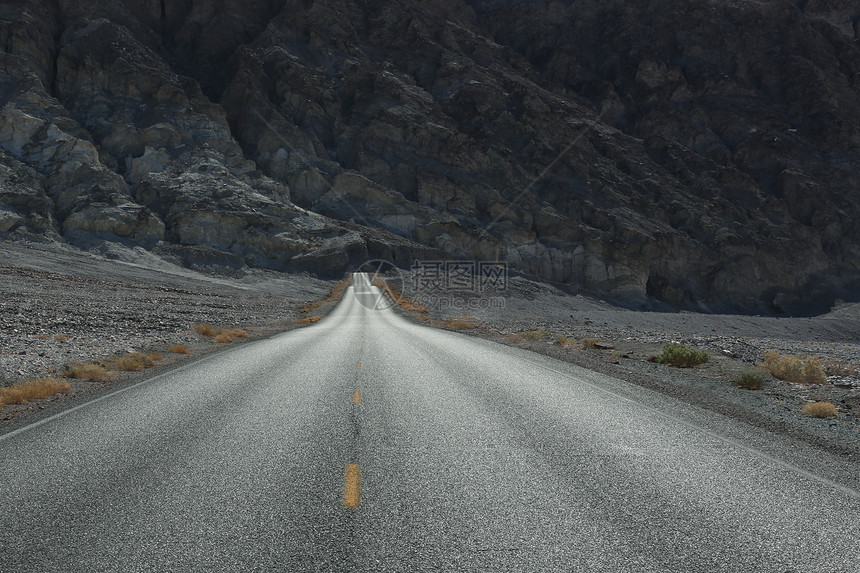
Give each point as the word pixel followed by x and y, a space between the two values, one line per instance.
pixel 701 153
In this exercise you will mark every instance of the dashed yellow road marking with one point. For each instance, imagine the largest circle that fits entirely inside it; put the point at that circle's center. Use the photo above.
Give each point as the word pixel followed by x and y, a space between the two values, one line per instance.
pixel 356 397
pixel 358 365
pixel 352 486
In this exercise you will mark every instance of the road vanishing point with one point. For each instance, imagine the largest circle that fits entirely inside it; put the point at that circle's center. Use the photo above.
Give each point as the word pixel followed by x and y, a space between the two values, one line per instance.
pixel 369 443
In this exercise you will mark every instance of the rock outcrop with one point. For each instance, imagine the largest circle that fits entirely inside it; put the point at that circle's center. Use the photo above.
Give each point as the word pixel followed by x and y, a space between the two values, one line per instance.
pixel 701 153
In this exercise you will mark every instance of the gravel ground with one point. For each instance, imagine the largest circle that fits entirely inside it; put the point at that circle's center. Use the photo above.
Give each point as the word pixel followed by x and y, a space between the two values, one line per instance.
pixel 60 305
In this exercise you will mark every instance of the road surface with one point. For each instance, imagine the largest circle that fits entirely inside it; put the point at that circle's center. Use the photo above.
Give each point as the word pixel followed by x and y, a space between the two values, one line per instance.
pixel 369 443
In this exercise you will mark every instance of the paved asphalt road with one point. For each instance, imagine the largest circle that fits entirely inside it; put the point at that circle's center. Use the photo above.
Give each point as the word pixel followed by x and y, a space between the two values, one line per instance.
pixel 368 443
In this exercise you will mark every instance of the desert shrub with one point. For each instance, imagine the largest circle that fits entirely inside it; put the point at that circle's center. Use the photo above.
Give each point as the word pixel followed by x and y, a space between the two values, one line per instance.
pixel 819 409
pixel 32 390
pixel 205 329
pixel 750 379
pixel 224 338
pixel 220 335
pixel 155 356
pixel 61 337
pixel 179 349
pixel 227 336
pixel 131 362
pixel 93 372
pixel 682 355
pixel 590 342
pixel 794 368
pixel 309 320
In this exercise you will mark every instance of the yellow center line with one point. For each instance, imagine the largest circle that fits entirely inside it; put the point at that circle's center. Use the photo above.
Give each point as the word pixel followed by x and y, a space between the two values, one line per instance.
pixel 358 365
pixel 356 397
pixel 352 486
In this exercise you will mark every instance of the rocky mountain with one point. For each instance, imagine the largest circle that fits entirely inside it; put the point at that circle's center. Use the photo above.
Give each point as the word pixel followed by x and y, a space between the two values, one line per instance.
pixel 704 153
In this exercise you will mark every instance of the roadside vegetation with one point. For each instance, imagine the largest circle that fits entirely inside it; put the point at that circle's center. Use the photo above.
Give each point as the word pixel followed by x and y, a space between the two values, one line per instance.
pixel 90 371
pixel 334 294
pixel 820 409
pixel 751 379
pixel 682 356
pixel 32 390
pixel 794 368
pixel 134 361
pixel 219 335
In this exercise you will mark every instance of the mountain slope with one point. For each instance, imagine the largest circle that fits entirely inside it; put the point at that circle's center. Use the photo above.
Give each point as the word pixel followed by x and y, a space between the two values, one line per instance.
pixel 701 153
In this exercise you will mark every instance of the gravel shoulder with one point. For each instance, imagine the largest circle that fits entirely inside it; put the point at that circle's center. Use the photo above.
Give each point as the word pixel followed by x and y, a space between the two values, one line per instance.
pixel 60 306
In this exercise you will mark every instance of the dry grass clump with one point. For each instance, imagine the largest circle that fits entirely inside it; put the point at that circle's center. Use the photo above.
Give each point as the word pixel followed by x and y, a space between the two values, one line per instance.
pixel 227 336
pixel 309 320
pixel 794 368
pixel 750 379
pixel 179 349
pixel 93 372
pixel 590 342
pixel 220 335
pixel 61 337
pixel 131 362
pixel 205 329
pixel 819 409
pixel 682 356
pixel 32 390
pixel 134 361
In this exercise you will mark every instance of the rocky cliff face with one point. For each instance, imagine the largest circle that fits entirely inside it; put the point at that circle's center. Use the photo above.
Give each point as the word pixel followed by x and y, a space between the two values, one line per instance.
pixel 701 153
